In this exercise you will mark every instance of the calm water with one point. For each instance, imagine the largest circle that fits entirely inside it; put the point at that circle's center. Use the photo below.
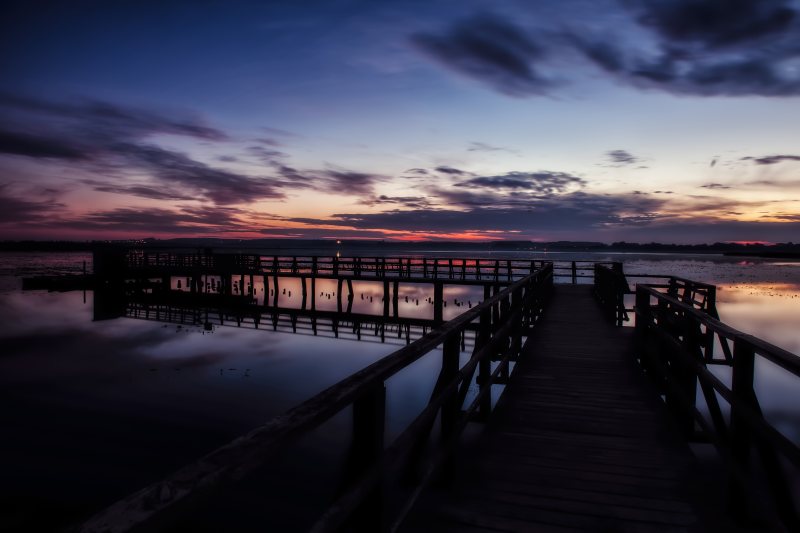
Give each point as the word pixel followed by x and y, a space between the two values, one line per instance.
pixel 94 410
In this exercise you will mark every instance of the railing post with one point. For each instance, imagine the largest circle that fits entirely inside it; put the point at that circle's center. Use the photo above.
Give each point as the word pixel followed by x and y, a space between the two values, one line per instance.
pixel 485 364
pixel 369 422
pixel 642 312
pixel 450 408
pixel 684 375
pixel 741 441
pixel 516 328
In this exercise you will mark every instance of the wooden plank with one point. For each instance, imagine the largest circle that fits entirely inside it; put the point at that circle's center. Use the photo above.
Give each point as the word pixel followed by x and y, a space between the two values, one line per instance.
pixel 579 440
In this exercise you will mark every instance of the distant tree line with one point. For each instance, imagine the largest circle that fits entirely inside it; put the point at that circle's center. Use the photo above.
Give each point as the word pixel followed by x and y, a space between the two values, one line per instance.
pixel 787 249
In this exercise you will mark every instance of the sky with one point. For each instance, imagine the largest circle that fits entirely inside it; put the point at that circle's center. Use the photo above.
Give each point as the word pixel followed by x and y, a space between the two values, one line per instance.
pixel 599 120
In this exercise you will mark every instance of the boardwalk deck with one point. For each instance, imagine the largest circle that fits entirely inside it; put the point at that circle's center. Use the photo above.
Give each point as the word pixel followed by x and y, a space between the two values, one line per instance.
pixel 579 442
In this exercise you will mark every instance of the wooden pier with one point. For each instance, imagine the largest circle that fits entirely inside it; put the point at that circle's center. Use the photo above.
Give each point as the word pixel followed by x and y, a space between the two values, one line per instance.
pixel 578 442
pixel 590 433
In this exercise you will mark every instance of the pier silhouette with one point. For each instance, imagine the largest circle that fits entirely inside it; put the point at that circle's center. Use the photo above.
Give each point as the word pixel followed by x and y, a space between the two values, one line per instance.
pixel 591 430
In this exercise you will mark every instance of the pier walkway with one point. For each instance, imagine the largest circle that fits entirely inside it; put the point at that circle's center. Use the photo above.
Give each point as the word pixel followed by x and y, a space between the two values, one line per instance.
pixel 579 440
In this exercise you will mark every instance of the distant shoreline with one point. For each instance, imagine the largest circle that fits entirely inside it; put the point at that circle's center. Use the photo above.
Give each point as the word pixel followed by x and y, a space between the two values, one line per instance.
pixel 765 255
pixel 355 247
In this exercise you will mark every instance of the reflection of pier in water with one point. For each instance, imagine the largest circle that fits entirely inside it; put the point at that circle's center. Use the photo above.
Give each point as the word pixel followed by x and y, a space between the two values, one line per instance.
pixel 375 298
pixel 190 310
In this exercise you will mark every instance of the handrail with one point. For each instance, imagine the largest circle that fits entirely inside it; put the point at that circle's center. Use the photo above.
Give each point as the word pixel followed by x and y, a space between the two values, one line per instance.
pixel 610 287
pixel 504 319
pixel 477 268
pixel 429 268
pixel 676 343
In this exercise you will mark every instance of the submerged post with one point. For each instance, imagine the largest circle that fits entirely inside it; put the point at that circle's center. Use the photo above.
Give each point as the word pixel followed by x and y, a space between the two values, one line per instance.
pixel 438 301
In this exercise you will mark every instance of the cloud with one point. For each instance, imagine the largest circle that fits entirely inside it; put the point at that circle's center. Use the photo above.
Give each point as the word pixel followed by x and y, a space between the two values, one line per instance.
pixel 417 171
pixel 783 184
pixel 789 217
pixel 98 119
pixel 483 147
pixel 706 48
pixel 269 142
pixel 547 183
pixel 178 170
pixel 715 23
pixel 409 202
pixel 444 169
pixel 140 190
pixel 492 50
pixel 19 210
pixel 771 159
pixel 574 211
pixel 280 132
pixel 715 186
pixel 183 220
pixel 114 142
pixel 17 143
pixel 347 182
pixel 622 157
pixel 703 48
pixel 264 154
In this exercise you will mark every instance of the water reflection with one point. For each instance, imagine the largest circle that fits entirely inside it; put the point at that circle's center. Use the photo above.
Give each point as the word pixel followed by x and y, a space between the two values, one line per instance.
pixel 93 410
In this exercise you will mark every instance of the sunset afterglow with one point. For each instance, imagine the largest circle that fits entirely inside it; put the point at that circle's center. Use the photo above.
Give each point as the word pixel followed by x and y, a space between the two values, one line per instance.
pixel 542 121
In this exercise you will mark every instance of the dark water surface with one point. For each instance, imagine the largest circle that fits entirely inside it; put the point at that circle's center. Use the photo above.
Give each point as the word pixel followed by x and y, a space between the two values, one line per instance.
pixel 94 410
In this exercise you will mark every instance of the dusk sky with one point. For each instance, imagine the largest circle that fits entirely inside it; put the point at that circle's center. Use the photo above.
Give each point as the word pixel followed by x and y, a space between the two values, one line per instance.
pixel 602 120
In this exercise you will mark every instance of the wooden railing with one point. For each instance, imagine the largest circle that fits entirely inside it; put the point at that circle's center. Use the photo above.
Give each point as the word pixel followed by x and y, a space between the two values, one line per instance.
pixel 610 288
pixel 573 272
pixel 678 337
pixel 462 269
pixel 415 457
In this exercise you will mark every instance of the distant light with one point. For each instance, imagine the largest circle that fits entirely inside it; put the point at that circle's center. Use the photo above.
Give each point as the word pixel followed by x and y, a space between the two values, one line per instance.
pixel 338 242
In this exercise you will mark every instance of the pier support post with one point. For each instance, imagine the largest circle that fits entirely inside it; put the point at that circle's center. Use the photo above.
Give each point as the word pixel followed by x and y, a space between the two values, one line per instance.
pixel 395 297
pixel 304 291
pixel 314 294
pixel 385 298
pixel 438 301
